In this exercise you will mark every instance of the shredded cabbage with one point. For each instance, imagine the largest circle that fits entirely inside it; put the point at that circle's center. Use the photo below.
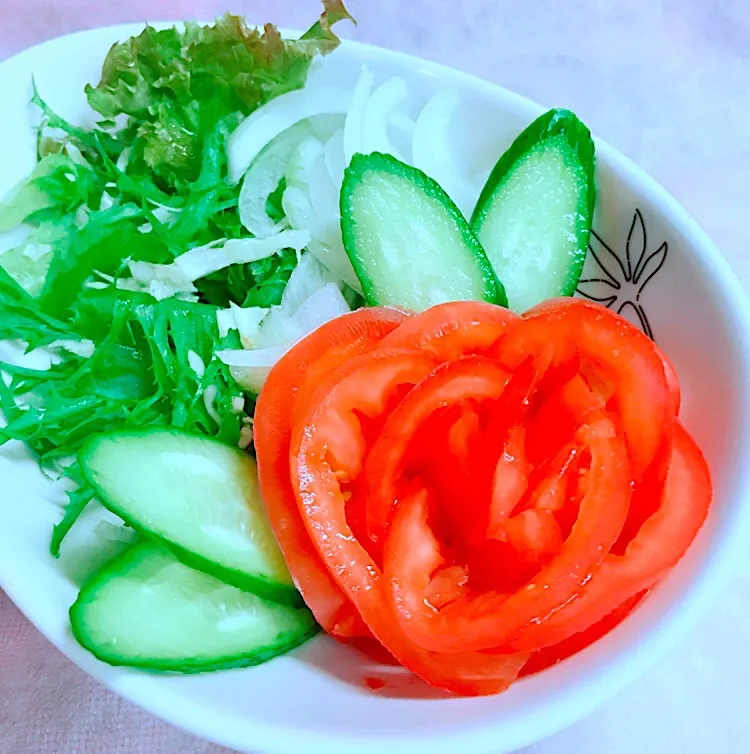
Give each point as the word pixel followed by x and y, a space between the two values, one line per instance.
pixel 278 327
pixel 279 331
pixel 83 348
pixel 246 320
pixel 251 374
pixel 178 276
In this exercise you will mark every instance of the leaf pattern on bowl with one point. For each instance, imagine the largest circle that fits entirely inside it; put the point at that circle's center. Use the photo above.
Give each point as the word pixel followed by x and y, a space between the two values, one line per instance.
pixel 624 276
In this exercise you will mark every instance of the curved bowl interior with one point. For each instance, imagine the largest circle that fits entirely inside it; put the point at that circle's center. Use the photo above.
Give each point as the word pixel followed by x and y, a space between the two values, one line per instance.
pixel 317 697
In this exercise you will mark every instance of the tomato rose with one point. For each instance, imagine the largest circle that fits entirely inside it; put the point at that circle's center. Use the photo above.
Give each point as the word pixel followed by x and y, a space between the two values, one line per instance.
pixel 478 491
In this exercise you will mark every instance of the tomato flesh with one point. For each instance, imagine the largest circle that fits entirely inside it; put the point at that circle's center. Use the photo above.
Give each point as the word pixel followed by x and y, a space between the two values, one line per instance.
pixel 481 494
pixel 291 378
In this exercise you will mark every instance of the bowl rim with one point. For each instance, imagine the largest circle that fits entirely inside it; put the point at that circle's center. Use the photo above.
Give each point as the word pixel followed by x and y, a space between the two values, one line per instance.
pixel 585 693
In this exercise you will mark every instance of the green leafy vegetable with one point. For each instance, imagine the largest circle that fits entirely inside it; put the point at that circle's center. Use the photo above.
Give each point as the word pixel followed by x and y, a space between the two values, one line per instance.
pixel 78 499
pixel 53 182
pixel 28 263
pixel 272 275
pixel 146 184
pixel 153 364
pixel 274 209
pixel 22 318
pixel 96 246
pixel 180 84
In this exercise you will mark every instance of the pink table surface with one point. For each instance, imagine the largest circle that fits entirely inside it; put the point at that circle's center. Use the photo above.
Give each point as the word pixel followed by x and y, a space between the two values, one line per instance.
pixel 665 81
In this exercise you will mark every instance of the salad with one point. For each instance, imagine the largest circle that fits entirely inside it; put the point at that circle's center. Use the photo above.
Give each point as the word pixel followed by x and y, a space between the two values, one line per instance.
pixel 325 378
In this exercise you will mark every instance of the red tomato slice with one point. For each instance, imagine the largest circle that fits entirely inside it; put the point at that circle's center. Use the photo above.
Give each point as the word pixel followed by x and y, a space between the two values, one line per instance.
pixel 449 331
pixel 673 381
pixel 535 533
pixel 332 343
pixel 509 482
pixel 368 384
pixel 550 656
pixel 451 384
pixel 470 487
pixel 490 619
pixel 447 585
pixel 322 452
pixel 629 362
pixel 443 455
pixel 565 408
pixel 503 466
pixel 657 547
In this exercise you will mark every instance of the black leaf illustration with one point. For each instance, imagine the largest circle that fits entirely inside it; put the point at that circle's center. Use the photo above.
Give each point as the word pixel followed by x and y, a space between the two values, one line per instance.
pixel 635 246
pixel 651 265
pixel 605 257
pixel 637 309
pixel 599 289
pixel 624 276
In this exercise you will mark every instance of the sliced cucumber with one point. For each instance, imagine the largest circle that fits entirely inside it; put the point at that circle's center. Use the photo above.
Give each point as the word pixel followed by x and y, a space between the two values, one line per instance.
pixel 145 609
pixel 534 214
pixel 200 497
pixel 408 242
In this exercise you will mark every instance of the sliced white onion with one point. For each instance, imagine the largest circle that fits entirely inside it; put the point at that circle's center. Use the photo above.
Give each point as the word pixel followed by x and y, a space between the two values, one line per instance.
pixel 307 277
pixel 402 122
pixel 323 191
pixel 334 157
pixel 297 200
pixel 431 128
pixel 276 116
pixel 298 208
pixel 402 133
pixel 196 363
pixel 269 167
pixel 355 118
pixel 254 357
pixel 432 153
pixel 250 368
pixel 328 247
pixel 379 111
pixel 325 304
pixel 311 201
pixel 278 327
pixel 302 161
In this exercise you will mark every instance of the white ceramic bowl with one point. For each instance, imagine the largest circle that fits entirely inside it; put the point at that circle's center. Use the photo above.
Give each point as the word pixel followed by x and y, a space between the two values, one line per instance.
pixel 315 699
